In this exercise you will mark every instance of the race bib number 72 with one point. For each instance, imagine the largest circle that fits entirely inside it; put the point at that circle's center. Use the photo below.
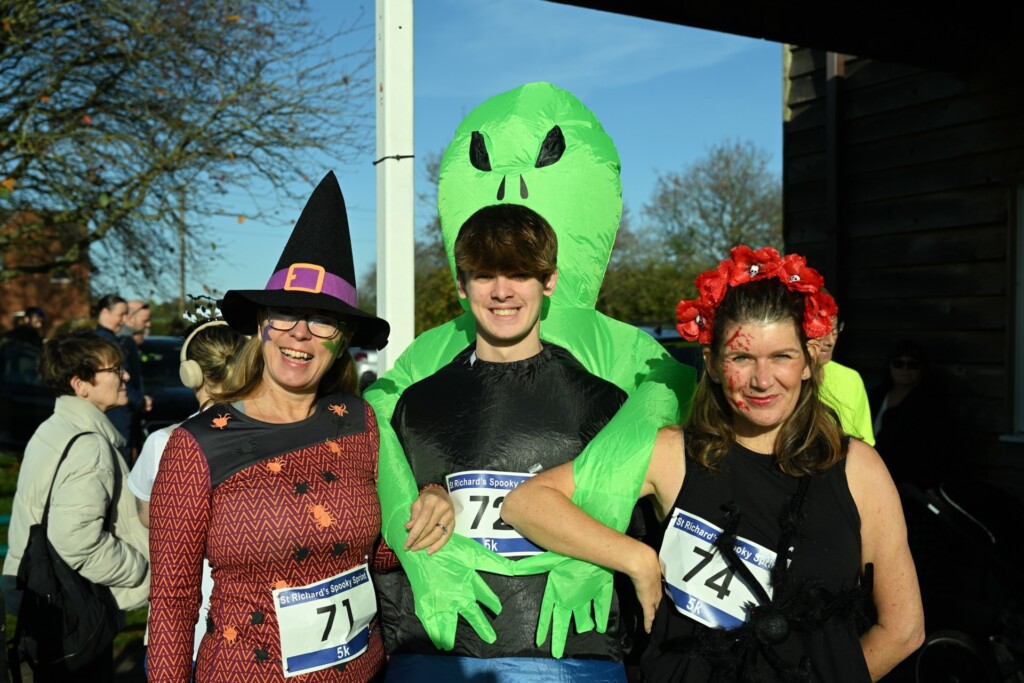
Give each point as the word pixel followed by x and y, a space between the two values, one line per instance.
pixel 477 497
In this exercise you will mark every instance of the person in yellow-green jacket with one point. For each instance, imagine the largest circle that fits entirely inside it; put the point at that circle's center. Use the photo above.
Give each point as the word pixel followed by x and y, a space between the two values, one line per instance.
pixel 843 389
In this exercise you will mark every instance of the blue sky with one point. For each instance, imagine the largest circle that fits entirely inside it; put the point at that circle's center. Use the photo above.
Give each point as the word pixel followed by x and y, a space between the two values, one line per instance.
pixel 664 93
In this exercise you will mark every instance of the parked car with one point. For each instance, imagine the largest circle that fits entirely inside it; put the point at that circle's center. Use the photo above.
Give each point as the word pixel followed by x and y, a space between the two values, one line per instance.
pixel 172 401
pixel 24 401
pixel 366 365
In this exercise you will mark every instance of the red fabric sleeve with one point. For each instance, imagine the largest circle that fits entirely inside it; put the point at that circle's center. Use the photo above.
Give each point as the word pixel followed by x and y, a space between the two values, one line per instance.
pixel 384 558
pixel 179 522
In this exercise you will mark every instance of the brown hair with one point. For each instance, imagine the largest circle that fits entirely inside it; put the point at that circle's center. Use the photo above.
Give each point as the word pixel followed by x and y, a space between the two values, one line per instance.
pixel 109 302
pixel 811 439
pixel 79 354
pixel 506 238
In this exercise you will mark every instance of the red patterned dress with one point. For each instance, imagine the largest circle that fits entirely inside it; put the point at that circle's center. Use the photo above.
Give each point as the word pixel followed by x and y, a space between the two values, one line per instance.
pixel 273 507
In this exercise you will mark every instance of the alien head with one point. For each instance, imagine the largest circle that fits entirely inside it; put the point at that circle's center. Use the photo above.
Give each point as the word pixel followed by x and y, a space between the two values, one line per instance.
pixel 538 145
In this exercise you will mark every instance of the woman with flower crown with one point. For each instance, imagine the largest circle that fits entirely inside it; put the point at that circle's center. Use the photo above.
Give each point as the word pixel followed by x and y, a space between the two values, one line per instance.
pixel 785 554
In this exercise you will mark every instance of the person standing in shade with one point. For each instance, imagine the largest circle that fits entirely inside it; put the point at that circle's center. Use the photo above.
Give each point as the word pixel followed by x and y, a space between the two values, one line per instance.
pixel 843 389
pixel 912 419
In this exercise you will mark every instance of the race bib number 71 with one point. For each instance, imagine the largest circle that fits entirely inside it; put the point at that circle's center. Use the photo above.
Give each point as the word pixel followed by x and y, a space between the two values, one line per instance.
pixel 325 623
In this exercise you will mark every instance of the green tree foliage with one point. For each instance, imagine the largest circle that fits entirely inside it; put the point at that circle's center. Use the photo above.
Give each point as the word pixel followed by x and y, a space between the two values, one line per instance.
pixel 692 220
pixel 728 197
pixel 642 283
pixel 118 113
pixel 436 299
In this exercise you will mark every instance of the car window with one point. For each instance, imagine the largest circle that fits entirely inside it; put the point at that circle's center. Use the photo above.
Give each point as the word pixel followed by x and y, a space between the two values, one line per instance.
pixel 19 364
pixel 160 364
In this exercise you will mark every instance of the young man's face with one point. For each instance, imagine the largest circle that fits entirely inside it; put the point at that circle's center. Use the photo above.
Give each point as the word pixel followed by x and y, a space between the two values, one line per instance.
pixel 507 311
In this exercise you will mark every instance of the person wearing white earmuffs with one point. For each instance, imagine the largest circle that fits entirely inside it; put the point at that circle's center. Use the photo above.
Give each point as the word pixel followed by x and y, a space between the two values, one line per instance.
pixel 207 353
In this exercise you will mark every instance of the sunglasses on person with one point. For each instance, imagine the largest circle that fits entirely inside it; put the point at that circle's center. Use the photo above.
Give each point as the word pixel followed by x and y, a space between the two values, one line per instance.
pixel 908 363
pixel 116 369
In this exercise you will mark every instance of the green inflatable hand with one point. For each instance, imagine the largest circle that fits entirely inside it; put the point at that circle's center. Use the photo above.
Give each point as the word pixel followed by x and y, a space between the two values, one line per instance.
pixel 539 146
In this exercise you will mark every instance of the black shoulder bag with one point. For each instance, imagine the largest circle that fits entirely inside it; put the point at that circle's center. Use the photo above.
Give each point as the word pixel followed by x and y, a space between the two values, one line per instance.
pixel 65 619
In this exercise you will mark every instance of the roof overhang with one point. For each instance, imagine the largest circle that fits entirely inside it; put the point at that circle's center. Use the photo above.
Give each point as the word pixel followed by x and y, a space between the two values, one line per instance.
pixel 946 36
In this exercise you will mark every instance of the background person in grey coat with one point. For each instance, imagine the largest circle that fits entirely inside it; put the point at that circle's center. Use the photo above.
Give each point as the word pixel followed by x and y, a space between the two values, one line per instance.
pixel 85 372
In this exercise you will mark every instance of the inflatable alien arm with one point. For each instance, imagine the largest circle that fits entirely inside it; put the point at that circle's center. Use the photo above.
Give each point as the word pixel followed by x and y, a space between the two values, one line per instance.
pixel 611 469
pixel 608 475
pixel 539 146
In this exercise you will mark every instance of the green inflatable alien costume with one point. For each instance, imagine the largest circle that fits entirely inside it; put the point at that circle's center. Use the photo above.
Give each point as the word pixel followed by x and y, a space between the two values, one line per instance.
pixel 539 146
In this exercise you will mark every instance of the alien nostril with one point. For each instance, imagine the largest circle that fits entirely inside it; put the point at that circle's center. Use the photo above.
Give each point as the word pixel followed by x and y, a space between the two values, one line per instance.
pixel 501 189
pixel 522 188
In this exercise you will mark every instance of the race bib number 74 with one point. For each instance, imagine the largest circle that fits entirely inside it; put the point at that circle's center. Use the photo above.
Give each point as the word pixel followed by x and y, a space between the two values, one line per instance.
pixel 698 578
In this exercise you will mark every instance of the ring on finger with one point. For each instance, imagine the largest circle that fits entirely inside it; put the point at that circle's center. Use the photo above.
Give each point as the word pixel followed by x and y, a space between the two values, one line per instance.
pixel 443 528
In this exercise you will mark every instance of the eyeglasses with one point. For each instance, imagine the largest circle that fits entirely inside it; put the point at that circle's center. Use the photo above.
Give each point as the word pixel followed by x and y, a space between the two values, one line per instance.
pixel 117 369
pixel 908 363
pixel 319 324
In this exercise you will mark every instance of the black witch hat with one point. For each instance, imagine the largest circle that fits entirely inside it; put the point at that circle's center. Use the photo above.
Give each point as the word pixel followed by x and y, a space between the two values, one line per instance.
pixel 315 271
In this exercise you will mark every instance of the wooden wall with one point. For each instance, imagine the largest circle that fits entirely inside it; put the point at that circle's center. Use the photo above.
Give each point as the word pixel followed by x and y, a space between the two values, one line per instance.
pixel 900 185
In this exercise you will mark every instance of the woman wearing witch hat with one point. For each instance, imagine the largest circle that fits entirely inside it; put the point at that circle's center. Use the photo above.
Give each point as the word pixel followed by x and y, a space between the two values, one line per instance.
pixel 276 485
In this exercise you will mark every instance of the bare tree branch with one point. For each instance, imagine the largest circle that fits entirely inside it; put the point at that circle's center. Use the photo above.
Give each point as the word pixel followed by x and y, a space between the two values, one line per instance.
pixel 115 111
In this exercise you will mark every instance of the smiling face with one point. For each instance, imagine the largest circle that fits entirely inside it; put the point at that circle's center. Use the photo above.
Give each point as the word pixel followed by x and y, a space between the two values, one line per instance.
pixel 295 359
pixel 113 318
pixel 107 388
pixel 507 311
pixel 139 317
pixel 762 368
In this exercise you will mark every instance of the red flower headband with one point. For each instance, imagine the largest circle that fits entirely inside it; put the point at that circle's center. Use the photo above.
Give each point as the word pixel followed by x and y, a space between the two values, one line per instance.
pixel 697 316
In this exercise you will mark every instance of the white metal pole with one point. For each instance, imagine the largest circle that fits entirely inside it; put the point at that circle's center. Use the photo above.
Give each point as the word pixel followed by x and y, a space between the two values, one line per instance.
pixel 395 173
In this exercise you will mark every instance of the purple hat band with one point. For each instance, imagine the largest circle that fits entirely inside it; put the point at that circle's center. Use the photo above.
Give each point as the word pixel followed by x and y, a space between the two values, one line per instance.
pixel 309 277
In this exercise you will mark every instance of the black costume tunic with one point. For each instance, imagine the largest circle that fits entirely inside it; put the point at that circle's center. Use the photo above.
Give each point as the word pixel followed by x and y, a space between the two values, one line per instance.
pixel 508 417
pixel 820 595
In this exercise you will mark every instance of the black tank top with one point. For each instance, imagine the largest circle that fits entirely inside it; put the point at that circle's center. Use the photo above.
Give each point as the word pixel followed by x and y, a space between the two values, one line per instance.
pixel 821 597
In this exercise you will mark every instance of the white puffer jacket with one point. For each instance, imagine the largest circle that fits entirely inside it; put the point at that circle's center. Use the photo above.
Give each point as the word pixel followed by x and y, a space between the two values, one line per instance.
pixel 84 489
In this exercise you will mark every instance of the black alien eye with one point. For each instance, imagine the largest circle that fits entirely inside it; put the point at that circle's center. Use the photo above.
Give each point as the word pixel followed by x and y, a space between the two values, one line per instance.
pixel 478 153
pixel 552 149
